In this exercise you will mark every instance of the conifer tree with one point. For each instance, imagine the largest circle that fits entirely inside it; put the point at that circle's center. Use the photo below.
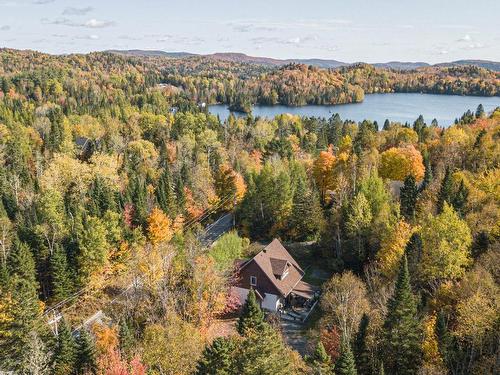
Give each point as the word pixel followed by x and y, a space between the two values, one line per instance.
pixel 427 173
pixel 387 124
pixel 101 198
pixel 413 252
pixel 126 338
pixel 460 198
pixel 23 309
pixel 381 370
pixel 217 358
pixel 360 349
pixel 345 364
pixel 180 194
pixel 402 341
pixel 443 336
pixel 408 197
pixel 263 352
pixel 165 193
pixel 320 361
pixel 252 317
pixel 306 218
pixel 65 353
pixel 445 193
pixel 480 111
pixel 86 353
pixel 61 278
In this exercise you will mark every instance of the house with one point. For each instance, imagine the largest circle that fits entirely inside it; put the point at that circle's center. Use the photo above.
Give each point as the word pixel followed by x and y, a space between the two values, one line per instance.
pixel 275 277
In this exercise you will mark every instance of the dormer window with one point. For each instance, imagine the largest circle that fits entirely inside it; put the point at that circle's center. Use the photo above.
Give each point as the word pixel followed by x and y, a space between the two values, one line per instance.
pixel 253 281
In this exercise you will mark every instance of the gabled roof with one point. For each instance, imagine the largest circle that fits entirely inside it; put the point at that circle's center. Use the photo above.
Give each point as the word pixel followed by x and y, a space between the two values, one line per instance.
pixel 273 260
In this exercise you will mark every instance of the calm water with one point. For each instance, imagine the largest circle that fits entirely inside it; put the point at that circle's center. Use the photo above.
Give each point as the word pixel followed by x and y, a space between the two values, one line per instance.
pixel 395 107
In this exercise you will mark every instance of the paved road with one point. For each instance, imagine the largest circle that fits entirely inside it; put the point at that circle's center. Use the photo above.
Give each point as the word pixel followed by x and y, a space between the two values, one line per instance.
pixel 218 228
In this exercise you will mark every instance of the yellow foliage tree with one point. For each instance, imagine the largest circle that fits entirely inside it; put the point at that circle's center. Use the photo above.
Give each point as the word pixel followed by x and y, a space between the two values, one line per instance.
pixel 392 248
pixel 323 172
pixel 159 227
pixel 398 162
pixel 432 357
pixel 209 292
pixel 106 338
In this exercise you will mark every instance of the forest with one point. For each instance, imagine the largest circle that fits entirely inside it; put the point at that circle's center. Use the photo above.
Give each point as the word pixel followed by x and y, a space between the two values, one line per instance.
pixel 110 169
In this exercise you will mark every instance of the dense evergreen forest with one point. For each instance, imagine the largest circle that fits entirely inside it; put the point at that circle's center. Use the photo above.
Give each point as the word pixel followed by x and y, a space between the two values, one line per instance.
pixel 110 168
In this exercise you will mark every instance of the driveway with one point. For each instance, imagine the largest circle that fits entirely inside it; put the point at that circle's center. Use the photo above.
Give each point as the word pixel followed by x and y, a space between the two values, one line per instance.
pixel 216 229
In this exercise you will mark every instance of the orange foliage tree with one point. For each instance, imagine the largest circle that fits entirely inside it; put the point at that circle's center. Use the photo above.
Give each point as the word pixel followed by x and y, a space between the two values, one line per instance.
pixel 323 172
pixel 229 185
pixel 398 162
pixel 160 228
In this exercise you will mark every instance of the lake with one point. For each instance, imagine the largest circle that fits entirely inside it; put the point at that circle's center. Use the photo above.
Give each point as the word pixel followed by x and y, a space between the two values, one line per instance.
pixel 395 107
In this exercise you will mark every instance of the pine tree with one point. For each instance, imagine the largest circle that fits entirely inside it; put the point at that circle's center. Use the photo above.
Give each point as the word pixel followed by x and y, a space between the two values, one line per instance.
pixel 360 349
pixel 428 172
pixel 101 198
pixel 402 341
pixel 345 364
pixel 460 198
pixel 217 358
pixel 252 317
pixel 413 252
pixel 443 336
pixel 165 193
pixel 65 353
pixel 320 361
pixel 408 197
pixel 137 194
pixel 61 278
pixel 180 195
pixel 263 352
pixel 306 218
pixel 445 193
pixel 86 353
pixel 24 308
pixel 480 111
pixel 126 338
pixel 387 124
pixel 381 370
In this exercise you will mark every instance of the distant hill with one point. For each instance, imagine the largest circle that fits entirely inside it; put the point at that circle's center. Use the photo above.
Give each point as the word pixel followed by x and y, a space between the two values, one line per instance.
pixel 321 63
pixel 491 65
pixel 145 53
pixel 400 65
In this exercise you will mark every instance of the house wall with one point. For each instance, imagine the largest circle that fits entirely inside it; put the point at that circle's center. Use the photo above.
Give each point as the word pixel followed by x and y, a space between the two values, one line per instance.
pixel 271 302
pixel 264 285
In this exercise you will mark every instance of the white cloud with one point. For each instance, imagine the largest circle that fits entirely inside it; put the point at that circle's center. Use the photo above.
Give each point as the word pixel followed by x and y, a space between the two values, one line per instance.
pixel 42 2
pixel 95 24
pixel 474 46
pixel 5 28
pixel 465 38
pixel 88 37
pixel 70 11
pixel 91 24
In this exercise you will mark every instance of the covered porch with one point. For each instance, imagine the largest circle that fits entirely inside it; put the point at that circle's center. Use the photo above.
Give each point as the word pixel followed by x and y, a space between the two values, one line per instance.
pixel 300 302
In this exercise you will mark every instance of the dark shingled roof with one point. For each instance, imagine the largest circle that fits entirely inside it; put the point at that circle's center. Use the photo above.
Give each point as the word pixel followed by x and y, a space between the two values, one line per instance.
pixel 272 260
pixel 279 266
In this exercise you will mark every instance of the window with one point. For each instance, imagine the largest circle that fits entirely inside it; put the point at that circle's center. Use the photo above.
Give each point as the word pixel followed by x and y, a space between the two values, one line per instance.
pixel 253 281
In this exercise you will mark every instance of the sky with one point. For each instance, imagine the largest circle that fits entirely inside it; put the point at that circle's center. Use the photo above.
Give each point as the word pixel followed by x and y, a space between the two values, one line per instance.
pixel 349 30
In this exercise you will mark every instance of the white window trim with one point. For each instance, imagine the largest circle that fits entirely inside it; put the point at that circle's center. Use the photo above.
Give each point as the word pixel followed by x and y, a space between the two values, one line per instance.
pixel 252 278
